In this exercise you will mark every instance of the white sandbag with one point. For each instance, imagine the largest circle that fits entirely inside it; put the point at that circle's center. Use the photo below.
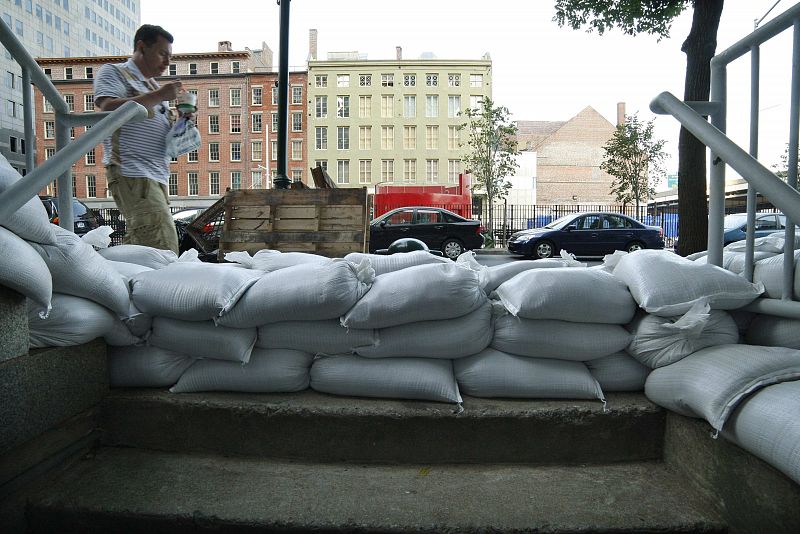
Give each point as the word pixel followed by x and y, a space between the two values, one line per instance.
pixel 659 341
pixel 138 322
pixel 23 270
pixel 769 272
pixel 30 222
pixel 140 254
pixel 774 331
pixel 269 371
pixel 666 284
pixel 743 318
pixel 121 336
pixel 326 337
pixel 394 378
pixel 419 293
pixel 618 372
pixel 128 270
pixel 77 269
pixel 395 262
pixel 308 292
pixel 568 294
pixel 202 339
pixel 711 382
pixel 72 321
pixel 497 274
pixel 145 366
pixel 191 291
pixel 493 373
pixel 734 261
pixel 769 243
pixel 447 338
pixel 766 424
pixel 99 237
pixel 562 340
pixel 268 260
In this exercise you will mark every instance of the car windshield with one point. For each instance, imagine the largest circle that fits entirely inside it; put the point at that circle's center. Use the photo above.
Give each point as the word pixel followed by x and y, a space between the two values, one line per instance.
pixel 79 209
pixel 560 222
pixel 186 216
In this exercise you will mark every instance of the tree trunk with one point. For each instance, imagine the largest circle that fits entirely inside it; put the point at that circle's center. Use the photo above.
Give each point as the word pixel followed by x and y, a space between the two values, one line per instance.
pixel 699 47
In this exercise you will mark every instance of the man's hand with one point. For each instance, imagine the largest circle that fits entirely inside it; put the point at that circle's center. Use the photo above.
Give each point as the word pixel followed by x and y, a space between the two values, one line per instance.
pixel 170 90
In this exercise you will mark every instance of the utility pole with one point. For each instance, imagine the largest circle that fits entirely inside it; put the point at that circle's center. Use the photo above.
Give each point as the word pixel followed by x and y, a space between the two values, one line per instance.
pixel 756 22
pixel 281 180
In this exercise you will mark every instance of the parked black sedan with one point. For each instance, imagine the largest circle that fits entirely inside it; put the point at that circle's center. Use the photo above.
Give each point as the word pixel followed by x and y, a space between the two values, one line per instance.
pixel 438 228
pixel 84 217
pixel 586 234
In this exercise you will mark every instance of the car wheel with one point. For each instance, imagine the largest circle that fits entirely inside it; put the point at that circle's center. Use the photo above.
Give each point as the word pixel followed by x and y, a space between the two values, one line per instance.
pixel 633 247
pixel 544 249
pixel 452 248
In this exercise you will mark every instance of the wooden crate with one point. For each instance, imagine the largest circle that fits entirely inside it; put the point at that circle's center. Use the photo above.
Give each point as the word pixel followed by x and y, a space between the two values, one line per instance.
pixel 328 222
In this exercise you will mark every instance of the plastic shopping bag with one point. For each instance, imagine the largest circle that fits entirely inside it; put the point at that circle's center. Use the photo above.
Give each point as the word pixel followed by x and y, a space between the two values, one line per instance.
pixel 183 137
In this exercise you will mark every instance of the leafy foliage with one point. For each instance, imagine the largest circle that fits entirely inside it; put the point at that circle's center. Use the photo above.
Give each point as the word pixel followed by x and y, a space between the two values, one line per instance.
pixel 635 160
pixel 631 16
pixel 782 168
pixel 491 150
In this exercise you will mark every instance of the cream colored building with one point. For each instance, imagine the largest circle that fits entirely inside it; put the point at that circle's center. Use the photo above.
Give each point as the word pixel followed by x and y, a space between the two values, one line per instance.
pixel 373 121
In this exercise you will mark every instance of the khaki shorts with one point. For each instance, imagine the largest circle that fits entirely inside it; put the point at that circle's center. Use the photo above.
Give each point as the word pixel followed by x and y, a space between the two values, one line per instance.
pixel 145 205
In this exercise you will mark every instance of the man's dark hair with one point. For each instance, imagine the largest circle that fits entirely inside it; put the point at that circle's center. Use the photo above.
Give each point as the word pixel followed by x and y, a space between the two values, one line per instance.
pixel 150 34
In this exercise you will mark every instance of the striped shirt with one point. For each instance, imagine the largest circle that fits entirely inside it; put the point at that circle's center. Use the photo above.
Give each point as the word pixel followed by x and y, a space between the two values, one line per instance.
pixel 139 148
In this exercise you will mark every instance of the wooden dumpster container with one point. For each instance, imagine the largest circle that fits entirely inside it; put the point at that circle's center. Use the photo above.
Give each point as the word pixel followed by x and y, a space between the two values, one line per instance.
pixel 328 222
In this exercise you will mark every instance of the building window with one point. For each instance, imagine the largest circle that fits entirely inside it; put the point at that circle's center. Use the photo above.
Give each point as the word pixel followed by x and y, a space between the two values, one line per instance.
pixel 321 137
pixel 410 137
pixel 321 80
pixel 343 171
pixel 321 107
pixel 213 183
pixel 297 150
pixel 91 186
pixel 409 106
pixel 343 106
pixel 453 170
pixel 476 80
pixel 297 94
pixel 387 106
pixel 173 160
pixel 236 180
pixel 365 171
pixel 365 106
pixel 11 82
pixel 88 102
pixel 192 68
pixel 256 181
pixel 453 140
pixel 90 159
pixel 213 151
pixel 365 137
pixel 213 98
pixel 409 80
pixel 432 106
pixel 213 68
pixel 274 149
pixel 274 122
pixel 387 137
pixel 193 156
pixel 213 124
pixel 257 96
pixel 432 170
pixel 342 80
pixel 274 96
pixel 432 137
pixel 475 101
pixel 297 122
pixel 70 100
pixel 236 123
pixel 321 163
pixel 432 80
pixel 453 80
pixel 12 143
pixel 193 185
pixel 387 170
pixel 72 132
pixel 49 152
pixel 236 151
pixel 173 184
pixel 173 69
pixel 256 150
pixel 49 129
pixel 387 80
pixel 67 73
pixel 11 108
pixel 409 170
pixel 365 80
pixel 236 96
pixel 453 105
pixel 297 175
pixel 343 137
pixel 235 67
pixel 89 73
pixel 256 123
pixel 46 106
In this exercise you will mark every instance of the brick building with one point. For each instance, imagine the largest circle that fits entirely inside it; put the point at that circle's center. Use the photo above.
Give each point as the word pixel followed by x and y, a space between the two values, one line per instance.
pixel 237 117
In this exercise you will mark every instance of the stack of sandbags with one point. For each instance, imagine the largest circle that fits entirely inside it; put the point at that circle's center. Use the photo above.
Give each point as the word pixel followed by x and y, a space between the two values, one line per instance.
pixel 394 262
pixel 423 317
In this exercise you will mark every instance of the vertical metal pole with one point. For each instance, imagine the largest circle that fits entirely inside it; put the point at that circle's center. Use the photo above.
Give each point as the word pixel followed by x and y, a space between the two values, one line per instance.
pixel 281 180
pixel 716 193
pixel 27 113
pixel 755 57
pixel 791 177
pixel 65 217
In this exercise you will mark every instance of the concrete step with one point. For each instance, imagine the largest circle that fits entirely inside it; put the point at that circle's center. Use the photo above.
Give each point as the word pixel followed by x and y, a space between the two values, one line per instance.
pixel 310 426
pixel 134 491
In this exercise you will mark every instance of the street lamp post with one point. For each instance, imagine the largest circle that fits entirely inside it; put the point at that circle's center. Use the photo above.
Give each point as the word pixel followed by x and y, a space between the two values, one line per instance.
pixel 281 180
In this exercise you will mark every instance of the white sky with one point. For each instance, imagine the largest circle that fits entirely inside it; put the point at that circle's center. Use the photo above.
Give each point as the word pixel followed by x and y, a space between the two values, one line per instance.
pixel 540 71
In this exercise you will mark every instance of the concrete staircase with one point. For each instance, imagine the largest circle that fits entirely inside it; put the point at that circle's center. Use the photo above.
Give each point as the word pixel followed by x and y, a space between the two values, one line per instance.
pixel 97 460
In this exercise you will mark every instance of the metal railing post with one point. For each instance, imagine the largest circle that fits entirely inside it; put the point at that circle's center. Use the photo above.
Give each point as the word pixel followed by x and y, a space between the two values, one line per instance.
pixel 791 175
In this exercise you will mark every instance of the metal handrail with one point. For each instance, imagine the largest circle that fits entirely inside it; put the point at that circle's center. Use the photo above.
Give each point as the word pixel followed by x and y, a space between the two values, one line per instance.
pixel 68 151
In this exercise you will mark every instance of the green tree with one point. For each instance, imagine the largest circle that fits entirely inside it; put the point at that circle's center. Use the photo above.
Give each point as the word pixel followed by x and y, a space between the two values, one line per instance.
pixel 491 151
pixel 655 17
pixel 635 160
pixel 782 168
